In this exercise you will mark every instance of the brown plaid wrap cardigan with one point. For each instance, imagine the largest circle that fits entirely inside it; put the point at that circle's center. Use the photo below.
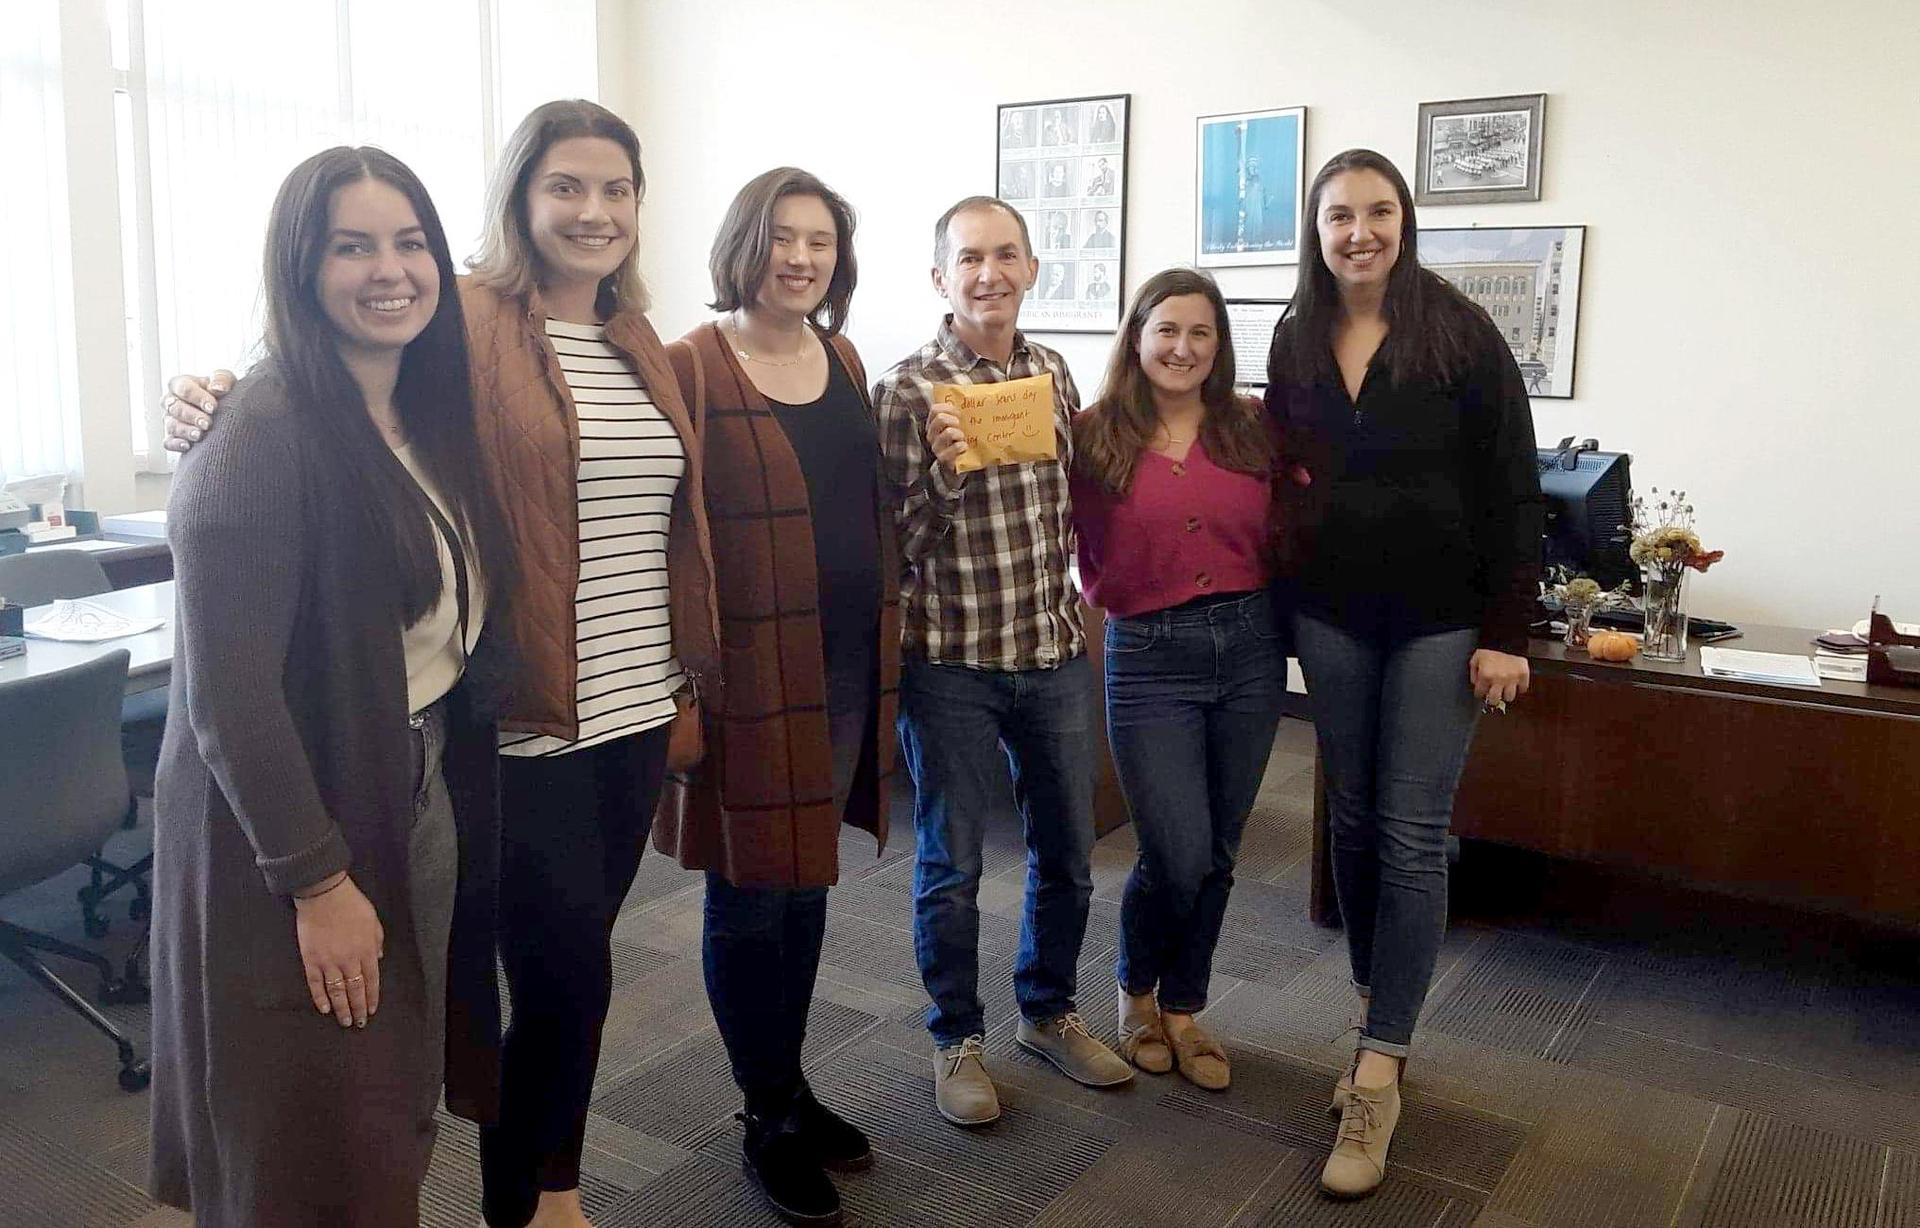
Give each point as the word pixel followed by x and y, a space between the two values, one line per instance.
pixel 759 809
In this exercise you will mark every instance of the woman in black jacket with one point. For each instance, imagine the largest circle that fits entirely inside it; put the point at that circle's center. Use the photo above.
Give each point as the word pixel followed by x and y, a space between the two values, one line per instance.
pixel 1415 559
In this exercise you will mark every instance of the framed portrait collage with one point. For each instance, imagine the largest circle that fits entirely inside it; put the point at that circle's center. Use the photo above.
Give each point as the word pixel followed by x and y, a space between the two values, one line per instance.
pixel 1063 164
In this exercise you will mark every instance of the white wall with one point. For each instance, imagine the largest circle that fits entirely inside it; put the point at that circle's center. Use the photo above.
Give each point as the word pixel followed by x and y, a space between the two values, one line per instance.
pixel 1748 173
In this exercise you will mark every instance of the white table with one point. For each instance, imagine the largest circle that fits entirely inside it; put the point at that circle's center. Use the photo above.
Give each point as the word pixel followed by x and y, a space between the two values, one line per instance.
pixel 151 652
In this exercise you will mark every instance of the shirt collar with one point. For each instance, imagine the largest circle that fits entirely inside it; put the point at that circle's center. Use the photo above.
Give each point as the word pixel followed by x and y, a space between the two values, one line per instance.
pixel 962 354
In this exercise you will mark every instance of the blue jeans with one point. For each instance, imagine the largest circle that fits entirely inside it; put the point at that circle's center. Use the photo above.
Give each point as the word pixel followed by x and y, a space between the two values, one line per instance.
pixel 1394 721
pixel 960 730
pixel 1193 701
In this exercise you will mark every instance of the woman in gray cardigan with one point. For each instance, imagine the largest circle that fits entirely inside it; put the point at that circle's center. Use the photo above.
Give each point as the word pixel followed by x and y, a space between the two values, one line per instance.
pixel 326 833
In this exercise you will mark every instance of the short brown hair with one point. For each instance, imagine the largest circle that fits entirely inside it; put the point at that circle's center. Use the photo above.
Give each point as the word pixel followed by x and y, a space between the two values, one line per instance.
pixel 744 244
pixel 942 244
pixel 506 261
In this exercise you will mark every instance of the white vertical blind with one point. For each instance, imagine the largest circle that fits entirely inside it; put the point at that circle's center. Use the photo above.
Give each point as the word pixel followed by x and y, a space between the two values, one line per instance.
pixel 217 101
pixel 233 101
pixel 548 50
pixel 39 410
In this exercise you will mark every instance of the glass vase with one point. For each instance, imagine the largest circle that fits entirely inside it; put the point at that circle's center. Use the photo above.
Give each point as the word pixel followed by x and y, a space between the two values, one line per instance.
pixel 1579 625
pixel 1665 638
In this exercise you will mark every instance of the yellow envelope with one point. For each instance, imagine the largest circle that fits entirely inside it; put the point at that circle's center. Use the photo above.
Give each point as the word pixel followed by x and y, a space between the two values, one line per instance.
pixel 1006 424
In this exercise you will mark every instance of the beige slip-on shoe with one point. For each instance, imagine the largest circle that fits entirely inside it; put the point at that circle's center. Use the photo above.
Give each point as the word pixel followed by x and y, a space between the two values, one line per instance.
pixel 1202 1061
pixel 1143 1037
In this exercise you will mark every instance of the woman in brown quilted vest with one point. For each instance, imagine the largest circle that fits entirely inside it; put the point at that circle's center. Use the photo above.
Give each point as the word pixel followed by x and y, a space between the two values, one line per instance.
pixel 593 449
pixel 799 739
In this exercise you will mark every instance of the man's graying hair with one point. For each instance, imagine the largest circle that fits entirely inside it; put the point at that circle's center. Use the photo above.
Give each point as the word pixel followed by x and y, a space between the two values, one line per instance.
pixel 943 247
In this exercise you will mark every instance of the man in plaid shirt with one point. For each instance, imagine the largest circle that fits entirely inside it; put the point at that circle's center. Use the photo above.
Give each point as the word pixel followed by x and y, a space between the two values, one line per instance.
pixel 995 655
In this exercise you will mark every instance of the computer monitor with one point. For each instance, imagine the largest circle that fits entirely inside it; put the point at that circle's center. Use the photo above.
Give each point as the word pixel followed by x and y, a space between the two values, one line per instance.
pixel 1589 497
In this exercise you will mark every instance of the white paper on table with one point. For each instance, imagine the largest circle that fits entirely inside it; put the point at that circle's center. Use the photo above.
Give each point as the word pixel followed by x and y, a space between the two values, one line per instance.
pixel 1778 667
pixel 1840 668
pixel 83 622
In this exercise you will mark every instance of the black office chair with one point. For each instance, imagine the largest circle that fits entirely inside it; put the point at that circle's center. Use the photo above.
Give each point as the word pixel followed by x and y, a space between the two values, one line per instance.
pixel 63 791
pixel 41 576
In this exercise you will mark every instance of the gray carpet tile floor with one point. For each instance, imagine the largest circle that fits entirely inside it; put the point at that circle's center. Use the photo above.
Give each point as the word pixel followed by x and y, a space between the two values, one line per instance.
pixel 1598 1051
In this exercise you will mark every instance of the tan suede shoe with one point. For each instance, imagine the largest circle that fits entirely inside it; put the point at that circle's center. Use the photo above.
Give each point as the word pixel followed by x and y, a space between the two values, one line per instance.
pixel 1143 1037
pixel 961 1089
pixel 1358 1162
pixel 1066 1043
pixel 1201 1059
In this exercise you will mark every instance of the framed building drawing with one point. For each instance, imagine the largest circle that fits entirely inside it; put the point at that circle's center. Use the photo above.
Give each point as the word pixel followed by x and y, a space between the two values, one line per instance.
pixel 1480 151
pixel 1528 279
pixel 1062 163
pixel 1248 167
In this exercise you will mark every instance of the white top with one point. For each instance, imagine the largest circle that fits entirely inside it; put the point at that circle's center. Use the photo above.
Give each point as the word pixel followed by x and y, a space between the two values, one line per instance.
pixel 432 645
pixel 631 463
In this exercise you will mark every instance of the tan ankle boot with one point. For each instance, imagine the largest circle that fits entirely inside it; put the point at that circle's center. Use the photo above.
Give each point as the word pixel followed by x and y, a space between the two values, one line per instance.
pixel 1358 1162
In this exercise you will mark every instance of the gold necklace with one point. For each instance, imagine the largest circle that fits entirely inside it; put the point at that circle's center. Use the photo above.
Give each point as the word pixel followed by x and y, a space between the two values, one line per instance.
pixel 765 362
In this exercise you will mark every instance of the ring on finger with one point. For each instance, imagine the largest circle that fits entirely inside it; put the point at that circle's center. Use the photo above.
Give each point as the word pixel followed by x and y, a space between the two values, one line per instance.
pixel 336 984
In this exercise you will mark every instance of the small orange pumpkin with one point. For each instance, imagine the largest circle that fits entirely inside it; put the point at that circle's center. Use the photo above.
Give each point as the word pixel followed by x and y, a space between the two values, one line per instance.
pixel 1612 646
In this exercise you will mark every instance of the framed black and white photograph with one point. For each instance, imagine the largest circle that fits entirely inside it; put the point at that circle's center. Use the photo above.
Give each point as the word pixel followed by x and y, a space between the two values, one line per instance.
pixel 1250 325
pixel 1248 168
pixel 1528 279
pixel 1062 162
pixel 1480 151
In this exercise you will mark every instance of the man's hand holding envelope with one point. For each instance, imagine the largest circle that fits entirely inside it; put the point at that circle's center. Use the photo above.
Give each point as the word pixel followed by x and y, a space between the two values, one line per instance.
pixel 974 426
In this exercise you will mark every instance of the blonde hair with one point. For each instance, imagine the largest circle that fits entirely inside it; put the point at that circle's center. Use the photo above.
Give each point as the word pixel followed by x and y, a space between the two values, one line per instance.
pixel 507 262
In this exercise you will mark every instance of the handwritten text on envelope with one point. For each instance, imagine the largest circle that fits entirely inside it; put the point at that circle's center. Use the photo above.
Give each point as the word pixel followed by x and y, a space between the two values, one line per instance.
pixel 1005 423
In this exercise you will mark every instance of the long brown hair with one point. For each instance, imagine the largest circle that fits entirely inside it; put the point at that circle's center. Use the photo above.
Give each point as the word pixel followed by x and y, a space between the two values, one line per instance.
pixel 744 245
pixel 1110 435
pixel 507 261
pixel 349 464
pixel 1429 323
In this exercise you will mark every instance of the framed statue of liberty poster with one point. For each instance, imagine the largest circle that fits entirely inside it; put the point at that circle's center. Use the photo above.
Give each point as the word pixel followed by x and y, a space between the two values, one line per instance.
pixel 1249 168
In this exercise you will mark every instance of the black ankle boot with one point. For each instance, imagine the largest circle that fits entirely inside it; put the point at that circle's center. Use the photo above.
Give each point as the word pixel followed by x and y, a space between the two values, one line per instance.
pixel 782 1163
pixel 839 1144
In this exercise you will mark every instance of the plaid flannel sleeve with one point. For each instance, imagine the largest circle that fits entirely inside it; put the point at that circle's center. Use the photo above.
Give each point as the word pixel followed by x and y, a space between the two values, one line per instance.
pixel 924 493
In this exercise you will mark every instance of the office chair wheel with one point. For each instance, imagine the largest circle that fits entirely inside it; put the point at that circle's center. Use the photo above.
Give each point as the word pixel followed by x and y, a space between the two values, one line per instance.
pixel 124 991
pixel 136 1077
pixel 95 924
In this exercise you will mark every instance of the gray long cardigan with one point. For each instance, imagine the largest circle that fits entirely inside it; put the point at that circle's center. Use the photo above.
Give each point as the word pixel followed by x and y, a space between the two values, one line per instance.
pixel 287 758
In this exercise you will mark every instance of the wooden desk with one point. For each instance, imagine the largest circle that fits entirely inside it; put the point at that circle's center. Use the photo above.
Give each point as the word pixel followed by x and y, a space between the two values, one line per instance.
pixel 151 665
pixel 1789 794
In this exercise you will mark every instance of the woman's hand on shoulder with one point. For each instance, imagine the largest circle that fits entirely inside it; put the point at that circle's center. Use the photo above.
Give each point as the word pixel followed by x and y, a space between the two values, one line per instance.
pixel 190 403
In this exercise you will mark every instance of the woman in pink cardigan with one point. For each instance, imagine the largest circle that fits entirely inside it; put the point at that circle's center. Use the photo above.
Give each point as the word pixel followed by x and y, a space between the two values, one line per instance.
pixel 1172 492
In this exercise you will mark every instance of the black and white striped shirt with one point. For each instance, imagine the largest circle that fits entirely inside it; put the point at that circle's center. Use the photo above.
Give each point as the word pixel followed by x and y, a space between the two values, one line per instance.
pixel 631 462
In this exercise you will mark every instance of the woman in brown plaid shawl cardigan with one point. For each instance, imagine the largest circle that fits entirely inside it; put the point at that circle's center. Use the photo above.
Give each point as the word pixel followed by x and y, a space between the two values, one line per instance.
pixel 799 734
pixel 759 809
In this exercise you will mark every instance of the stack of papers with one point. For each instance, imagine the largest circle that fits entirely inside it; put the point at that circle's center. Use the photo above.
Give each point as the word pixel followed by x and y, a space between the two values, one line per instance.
pixel 1845 667
pixel 1775 667
pixel 84 622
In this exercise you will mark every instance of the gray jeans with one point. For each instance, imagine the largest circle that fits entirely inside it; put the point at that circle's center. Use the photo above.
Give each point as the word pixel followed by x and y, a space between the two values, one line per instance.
pixel 1394 720
pixel 433 865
